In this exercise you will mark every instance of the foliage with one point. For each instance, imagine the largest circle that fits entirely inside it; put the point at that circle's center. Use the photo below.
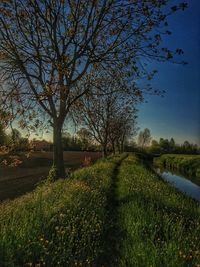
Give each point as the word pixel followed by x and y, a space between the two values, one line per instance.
pixel 48 47
pixel 10 145
pixel 81 141
pixel 58 224
pixel 5 117
pixel 165 146
pixel 85 139
pixel 144 138
pixel 70 143
pixel 187 164
pixel 2 136
pixel 159 226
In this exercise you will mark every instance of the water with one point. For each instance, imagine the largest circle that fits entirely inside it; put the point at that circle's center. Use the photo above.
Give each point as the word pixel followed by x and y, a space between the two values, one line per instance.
pixel 180 182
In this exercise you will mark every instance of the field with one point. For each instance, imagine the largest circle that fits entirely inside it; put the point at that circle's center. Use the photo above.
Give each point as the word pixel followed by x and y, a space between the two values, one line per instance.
pixel 15 181
pixel 186 164
pixel 113 213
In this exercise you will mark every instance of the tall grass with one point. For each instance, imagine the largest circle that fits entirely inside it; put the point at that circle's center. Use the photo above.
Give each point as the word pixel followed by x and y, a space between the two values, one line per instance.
pixel 59 224
pixel 159 226
pixel 187 164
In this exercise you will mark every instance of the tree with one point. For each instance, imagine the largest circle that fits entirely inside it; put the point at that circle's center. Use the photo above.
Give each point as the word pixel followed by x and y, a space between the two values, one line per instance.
pixel 108 112
pixel 155 147
pixel 144 138
pixel 165 145
pixel 84 136
pixel 4 118
pixel 46 47
pixel 172 144
pixel 70 142
pixel 2 136
pixel 122 127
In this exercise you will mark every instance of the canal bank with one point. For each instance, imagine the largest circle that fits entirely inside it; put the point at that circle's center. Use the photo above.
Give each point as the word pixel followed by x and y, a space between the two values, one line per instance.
pixel 157 225
pixel 182 183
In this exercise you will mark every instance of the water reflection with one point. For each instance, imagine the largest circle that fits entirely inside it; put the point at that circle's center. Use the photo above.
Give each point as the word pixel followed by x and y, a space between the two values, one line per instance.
pixel 180 182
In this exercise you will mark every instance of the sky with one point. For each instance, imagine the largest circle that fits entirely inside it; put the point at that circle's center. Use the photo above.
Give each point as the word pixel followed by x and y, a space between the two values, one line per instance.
pixel 178 113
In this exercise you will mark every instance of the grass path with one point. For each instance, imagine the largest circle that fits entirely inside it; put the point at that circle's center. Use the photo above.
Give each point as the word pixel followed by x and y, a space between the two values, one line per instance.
pixel 111 232
pixel 115 213
pixel 153 224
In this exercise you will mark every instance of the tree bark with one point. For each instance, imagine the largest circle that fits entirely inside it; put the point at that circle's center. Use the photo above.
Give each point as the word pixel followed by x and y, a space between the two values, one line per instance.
pixel 104 151
pixel 58 160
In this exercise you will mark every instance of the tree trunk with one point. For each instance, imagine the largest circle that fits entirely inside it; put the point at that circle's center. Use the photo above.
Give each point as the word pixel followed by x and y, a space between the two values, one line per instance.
pixel 113 147
pixel 122 147
pixel 58 160
pixel 118 147
pixel 104 151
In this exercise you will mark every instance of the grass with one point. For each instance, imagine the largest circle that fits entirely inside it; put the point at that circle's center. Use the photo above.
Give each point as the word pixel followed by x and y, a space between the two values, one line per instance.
pixel 113 213
pixel 159 226
pixel 58 224
pixel 187 164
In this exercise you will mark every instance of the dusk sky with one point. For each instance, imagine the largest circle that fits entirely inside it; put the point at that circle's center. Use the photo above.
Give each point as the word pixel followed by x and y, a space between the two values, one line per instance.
pixel 178 113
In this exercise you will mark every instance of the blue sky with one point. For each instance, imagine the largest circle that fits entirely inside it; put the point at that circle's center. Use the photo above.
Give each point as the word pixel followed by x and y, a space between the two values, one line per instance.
pixel 178 113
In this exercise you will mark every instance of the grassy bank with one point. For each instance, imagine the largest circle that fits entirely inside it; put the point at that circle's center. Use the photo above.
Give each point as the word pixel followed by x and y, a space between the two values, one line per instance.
pixel 158 225
pixel 115 213
pixel 59 224
pixel 187 164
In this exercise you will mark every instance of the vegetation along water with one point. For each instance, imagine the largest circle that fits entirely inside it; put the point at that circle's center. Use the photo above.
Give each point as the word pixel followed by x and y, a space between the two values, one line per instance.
pixel 186 164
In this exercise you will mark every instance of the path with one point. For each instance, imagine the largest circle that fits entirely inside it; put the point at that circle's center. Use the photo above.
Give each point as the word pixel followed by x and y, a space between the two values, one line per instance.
pixel 112 232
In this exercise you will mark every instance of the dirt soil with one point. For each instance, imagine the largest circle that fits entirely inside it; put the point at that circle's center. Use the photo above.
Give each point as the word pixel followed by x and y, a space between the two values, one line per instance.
pixel 16 181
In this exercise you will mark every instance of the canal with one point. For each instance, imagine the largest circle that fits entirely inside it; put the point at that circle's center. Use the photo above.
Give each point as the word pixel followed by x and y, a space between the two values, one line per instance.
pixel 181 182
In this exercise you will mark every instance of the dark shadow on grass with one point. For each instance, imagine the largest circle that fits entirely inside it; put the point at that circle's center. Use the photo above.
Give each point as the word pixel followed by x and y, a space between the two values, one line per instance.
pixel 112 233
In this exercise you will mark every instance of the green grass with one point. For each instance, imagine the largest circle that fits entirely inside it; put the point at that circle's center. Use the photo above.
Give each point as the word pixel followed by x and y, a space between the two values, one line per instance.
pixel 58 224
pixel 187 164
pixel 113 213
pixel 159 226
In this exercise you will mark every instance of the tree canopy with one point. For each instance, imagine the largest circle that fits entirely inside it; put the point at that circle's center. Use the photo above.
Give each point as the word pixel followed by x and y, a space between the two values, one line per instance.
pixel 47 47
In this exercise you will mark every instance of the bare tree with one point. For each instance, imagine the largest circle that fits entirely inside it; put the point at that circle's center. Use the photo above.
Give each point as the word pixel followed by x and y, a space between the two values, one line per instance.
pixel 108 111
pixel 46 47
pixel 122 127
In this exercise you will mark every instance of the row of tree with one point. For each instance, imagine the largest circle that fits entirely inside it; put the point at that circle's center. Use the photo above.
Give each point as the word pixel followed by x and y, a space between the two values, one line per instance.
pixel 108 112
pixel 164 146
pixel 54 53
pixel 169 146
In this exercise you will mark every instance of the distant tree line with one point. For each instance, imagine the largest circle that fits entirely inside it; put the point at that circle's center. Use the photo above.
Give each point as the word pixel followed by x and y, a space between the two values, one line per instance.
pixel 81 141
pixel 164 146
pixel 13 141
